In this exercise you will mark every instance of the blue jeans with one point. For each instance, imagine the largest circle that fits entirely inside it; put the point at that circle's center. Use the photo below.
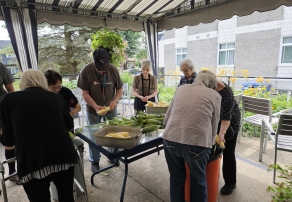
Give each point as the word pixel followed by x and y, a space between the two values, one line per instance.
pixel 196 157
pixel 95 119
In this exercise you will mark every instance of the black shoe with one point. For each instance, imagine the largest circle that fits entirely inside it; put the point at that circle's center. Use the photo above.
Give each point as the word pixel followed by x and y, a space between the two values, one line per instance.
pixel 114 160
pixel 227 189
pixel 95 167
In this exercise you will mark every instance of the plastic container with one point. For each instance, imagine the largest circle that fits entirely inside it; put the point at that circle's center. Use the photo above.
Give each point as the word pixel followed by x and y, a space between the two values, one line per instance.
pixel 212 173
pixel 156 110
pixel 123 143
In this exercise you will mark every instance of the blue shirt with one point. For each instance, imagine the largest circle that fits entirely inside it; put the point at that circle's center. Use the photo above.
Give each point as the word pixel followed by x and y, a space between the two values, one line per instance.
pixel 184 80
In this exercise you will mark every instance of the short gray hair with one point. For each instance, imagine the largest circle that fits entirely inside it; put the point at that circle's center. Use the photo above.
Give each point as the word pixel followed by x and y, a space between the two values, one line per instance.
pixel 188 62
pixel 33 78
pixel 146 63
pixel 208 78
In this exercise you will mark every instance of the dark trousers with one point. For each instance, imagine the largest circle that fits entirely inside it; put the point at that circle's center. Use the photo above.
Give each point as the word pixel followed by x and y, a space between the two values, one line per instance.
pixel 229 161
pixel 196 157
pixel 38 190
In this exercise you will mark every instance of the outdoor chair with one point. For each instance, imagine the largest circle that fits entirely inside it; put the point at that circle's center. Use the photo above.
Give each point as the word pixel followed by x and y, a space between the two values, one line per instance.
pixel 282 138
pixel 126 99
pixel 261 108
pixel 238 98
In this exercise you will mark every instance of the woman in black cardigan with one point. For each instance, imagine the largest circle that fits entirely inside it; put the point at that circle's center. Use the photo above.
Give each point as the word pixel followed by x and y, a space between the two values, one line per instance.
pixel 37 121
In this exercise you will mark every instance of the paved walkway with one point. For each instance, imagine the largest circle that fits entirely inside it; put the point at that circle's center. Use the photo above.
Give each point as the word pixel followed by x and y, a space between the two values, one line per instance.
pixel 148 179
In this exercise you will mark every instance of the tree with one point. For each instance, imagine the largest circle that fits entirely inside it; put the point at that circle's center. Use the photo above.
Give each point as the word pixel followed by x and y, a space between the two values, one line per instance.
pixel 67 49
pixel 136 42
pixel 64 48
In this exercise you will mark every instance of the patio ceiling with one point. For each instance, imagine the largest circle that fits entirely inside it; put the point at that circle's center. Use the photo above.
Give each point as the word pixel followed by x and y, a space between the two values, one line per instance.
pixel 129 14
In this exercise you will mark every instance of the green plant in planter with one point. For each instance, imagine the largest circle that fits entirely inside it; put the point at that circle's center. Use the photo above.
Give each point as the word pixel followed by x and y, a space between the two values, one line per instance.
pixel 113 42
pixel 283 191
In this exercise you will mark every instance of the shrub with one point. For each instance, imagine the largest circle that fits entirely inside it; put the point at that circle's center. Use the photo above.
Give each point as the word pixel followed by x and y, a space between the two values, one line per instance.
pixel 165 93
pixel 70 84
pixel 283 191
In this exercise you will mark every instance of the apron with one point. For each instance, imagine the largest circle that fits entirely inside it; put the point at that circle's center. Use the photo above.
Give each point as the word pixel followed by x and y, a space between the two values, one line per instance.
pixel 139 105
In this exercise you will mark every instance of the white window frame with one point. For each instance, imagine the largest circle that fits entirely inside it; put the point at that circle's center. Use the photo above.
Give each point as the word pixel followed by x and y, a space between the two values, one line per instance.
pixel 181 53
pixel 281 51
pixel 226 49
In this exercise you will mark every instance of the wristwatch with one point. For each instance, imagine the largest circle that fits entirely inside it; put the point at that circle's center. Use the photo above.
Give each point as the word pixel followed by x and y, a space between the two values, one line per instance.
pixel 117 100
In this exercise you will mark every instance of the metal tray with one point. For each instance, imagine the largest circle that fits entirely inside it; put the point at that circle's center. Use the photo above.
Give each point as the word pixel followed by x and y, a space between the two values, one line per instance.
pixel 123 143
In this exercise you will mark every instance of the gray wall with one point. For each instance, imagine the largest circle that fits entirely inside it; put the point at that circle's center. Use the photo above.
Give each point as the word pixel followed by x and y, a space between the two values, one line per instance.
pixel 258 52
pixel 203 53
pixel 169 34
pixel 200 28
pixel 258 17
pixel 169 57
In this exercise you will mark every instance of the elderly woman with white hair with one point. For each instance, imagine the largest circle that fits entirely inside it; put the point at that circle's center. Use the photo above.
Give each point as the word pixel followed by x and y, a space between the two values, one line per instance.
pixel 144 87
pixel 188 68
pixel 189 137
pixel 36 121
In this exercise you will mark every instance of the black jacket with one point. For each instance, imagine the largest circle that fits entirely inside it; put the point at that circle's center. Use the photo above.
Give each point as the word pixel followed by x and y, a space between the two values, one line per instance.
pixel 37 121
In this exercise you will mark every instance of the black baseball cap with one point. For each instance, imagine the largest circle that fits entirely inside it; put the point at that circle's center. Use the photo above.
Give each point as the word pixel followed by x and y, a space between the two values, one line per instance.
pixel 101 59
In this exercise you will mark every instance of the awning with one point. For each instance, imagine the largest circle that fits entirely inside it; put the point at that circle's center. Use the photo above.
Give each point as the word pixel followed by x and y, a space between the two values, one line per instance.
pixel 137 15
pixel 131 14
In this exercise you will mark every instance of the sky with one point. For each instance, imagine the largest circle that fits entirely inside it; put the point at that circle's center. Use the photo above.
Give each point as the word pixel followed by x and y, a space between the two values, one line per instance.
pixel 3 32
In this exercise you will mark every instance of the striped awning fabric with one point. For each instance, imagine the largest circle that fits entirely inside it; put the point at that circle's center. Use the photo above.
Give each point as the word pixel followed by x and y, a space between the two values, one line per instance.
pixel 131 14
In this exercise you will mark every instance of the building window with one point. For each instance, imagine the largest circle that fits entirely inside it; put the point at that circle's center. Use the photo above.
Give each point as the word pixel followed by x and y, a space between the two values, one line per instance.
pixel 226 54
pixel 181 53
pixel 287 50
pixel 160 36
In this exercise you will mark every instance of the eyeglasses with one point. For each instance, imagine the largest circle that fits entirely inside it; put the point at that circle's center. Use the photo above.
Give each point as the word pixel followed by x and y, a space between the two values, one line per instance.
pixel 56 88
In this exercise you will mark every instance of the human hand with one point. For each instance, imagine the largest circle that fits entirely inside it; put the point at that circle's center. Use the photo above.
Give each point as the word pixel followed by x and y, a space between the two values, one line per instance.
pixel 144 99
pixel 113 105
pixel 98 108
pixel 221 137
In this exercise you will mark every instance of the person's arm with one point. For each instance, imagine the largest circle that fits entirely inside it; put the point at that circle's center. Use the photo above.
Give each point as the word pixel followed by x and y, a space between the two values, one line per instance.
pixel 114 103
pixel 155 92
pixel 9 87
pixel 134 92
pixel 223 128
pixel 152 95
pixel 135 88
pixel 7 137
pixel 216 116
pixel 75 109
pixel 88 99
pixel 68 119
pixel 226 110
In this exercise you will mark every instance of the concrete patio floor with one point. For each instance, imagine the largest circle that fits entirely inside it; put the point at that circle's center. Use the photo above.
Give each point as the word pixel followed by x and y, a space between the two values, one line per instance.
pixel 148 178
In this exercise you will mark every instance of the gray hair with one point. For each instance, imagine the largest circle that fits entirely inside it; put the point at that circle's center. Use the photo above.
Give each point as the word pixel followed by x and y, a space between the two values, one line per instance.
pixel 208 78
pixel 33 78
pixel 188 62
pixel 146 63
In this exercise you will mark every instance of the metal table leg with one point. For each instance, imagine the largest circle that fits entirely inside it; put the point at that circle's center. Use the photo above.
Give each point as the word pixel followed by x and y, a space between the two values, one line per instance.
pixel 125 180
pixel 101 170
